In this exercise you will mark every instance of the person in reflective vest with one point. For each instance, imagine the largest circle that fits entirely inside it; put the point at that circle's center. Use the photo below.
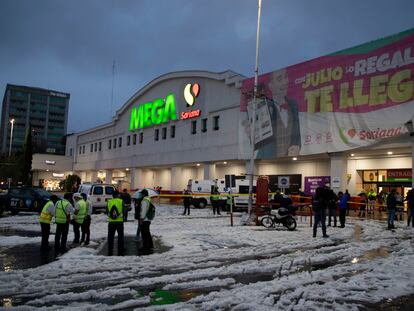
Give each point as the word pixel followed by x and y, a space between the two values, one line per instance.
pixel 87 221
pixel 63 210
pixel 215 200
pixel 79 216
pixel 115 223
pixel 146 216
pixel 45 219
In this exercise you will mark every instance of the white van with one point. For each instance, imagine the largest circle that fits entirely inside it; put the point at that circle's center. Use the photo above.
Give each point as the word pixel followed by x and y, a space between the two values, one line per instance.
pixel 98 194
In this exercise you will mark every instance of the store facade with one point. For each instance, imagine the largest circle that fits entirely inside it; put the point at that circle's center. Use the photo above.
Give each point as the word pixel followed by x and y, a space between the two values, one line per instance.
pixel 346 118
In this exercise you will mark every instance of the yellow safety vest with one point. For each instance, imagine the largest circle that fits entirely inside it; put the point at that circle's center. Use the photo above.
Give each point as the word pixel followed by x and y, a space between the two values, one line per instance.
pixel 119 206
pixel 82 212
pixel 60 212
pixel 45 217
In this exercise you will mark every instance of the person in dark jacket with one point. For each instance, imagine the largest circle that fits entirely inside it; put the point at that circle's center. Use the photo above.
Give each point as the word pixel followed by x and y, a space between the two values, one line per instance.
pixel 392 208
pixel 187 202
pixel 332 205
pixel 319 205
pixel 126 200
pixel 410 204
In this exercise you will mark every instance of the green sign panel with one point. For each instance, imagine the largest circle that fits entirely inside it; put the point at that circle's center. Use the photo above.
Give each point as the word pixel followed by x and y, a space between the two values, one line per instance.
pixel 153 113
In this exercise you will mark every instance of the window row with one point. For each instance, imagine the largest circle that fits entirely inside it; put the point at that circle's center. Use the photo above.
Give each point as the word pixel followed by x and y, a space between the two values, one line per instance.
pixel 204 123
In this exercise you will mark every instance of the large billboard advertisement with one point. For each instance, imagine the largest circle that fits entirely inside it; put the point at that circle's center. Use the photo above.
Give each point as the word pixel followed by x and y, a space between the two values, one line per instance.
pixel 350 99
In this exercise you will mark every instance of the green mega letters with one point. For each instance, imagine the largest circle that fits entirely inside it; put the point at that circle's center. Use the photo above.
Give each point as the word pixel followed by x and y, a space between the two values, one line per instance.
pixel 153 113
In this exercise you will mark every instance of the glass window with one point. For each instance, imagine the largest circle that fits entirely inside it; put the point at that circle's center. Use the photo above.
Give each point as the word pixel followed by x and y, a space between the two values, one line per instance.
pixel 216 125
pixel 91 147
pixel 80 150
pixel 157 134
pixel 141 137
pixel 134 139
pixel 370 176
pixel 96 147
pixel 109 144
pixel 109 190
pixel 128 140
pixel 114 143
pixel 172 131
pixel 120 142
pixel 71 152
pixel 204 125
pixel 98 190
pixel 83 149
pixel 100 146
pixel 164 133
pixel 193 127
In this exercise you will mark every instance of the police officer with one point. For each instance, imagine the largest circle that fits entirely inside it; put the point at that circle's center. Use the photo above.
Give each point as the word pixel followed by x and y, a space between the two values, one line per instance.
pixel 45 219
pixel 62 212
pixel 86 232
pixel 215 198
pixel 146 216
pixel 115 223
pixel 79 216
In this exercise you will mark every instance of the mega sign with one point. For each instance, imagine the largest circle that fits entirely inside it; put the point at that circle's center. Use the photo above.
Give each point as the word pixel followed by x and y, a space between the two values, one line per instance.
pixel 153 113
pixel 163 110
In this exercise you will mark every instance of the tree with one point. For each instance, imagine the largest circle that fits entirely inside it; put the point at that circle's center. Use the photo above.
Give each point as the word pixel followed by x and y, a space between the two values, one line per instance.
pixel 70 183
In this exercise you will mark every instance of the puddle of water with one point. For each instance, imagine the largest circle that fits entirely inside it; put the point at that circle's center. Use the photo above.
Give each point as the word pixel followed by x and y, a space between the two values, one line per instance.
pixel 253 278
pixel 24 257
pixel 132 247
pixel 380 252
pixel 12 232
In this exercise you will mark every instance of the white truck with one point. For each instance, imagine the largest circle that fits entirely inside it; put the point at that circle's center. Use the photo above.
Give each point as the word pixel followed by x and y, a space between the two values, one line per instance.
pixel 201 190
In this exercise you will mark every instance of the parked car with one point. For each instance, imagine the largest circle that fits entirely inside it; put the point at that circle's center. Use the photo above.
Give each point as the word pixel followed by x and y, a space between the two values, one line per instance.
pixel 23 199
pixel 98 194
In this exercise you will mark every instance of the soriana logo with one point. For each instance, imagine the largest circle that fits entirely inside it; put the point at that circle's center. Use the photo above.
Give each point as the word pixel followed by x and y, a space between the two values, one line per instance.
pixel 352 135
pixel 191 92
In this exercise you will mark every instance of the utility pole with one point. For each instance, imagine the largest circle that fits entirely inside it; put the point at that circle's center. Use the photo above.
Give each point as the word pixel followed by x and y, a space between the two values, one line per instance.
pixel 253 123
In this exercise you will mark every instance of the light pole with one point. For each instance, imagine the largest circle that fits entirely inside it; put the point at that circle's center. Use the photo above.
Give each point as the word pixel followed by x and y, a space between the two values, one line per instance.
pixel 11 136
pixel 253 125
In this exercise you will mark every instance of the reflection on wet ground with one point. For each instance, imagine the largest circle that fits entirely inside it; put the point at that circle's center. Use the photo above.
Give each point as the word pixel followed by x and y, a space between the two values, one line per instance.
pixel 405 303
pixel 357 233
pixel 132 247
pixel 30 256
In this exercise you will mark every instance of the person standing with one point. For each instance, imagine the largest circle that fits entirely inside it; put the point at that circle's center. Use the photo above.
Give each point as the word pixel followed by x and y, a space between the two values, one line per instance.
pixel 146 216
pixel 187 201
pixel 86 231
pixel 115 223
pixel 319 209
pixel 343 206
pixel 332 205
pixel 63 210
pixel 45 219
pixel 400 205
pixel 392 207
pixel 126 199
pixel 78 217
pixel 372 199
pixel 137 207
pixel 215 198
pixel 410 204
pixel 347 200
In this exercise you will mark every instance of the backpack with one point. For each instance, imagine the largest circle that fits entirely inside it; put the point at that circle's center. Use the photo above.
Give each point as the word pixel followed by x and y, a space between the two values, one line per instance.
pixel 151 212
pixel 113 213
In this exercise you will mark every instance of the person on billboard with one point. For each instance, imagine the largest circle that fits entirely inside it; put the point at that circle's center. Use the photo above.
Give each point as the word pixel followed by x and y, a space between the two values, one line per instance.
pixel 277 131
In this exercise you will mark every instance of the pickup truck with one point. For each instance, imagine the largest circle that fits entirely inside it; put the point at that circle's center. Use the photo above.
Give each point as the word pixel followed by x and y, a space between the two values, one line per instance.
pixel 23 199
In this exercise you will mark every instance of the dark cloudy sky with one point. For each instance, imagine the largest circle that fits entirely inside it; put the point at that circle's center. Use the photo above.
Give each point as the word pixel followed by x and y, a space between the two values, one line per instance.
pixel 71 45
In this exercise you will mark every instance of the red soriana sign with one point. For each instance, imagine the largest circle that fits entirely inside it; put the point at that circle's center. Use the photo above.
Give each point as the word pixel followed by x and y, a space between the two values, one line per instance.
pixel 191 92
pixel 345 100
pixel 399 175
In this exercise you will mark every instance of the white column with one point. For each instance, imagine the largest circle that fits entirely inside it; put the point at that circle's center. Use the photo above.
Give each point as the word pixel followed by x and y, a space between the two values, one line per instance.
pixel 136 178
pixel 108 176
pixel 209 171
pixel 176 182
pixel 339 168
pixel 94 176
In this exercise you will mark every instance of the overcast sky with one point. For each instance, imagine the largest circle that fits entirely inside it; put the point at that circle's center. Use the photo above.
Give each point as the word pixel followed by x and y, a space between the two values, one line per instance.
pixel 70 46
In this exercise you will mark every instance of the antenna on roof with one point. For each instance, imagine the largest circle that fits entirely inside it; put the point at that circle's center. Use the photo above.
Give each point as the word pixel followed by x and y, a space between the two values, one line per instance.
pixel 112 89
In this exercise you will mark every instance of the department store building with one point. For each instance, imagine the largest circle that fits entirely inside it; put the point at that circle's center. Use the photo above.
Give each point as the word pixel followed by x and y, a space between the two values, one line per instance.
pixel 345 118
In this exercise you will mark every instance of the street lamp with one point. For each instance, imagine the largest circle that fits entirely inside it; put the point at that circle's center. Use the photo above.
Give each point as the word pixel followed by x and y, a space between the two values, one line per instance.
pixel 11 136
pixel 253 125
